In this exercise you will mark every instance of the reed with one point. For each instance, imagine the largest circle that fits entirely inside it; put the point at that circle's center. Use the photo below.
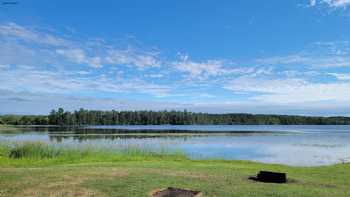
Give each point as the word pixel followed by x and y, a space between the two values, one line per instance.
pixel 40 150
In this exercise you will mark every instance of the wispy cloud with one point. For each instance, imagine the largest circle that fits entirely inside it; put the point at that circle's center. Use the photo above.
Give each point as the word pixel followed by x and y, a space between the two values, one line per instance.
pixel 327 61
pixel 58 82
pixel 340 76
pixel 79 56
pixel 313 2
pixel 291 90
pixel 4 66
pixel 46 47
pixel 132 57
pixel 311 75
pixel 39 62
pixel 321 55
pixel 210 68
pixel 16 32
pixel 199 69
pixel 331 3
pixel 34 103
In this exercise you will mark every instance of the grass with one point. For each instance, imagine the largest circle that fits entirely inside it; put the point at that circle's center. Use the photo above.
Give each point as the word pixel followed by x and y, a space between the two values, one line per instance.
pixel 22 154
pixel 33 150
pixel 43 170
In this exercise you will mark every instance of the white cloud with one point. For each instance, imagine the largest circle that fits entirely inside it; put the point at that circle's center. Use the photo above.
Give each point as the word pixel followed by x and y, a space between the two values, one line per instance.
pixel 206 95
pixel 36 47
pixel 33 103
pixel 314 58
pixel 79 56
pixel 209 68
pixel 4 66
pixel 212 68
pixel 57 65
pixel 337 61
pixel 15 31
pixel 331 3
pixel 289 59
pixel 341 76
pixel 312 2
pixel 249 84
pixel 158 75
pixel 337 3
pixel 131 57
pixel 83 72
pixel 291 90
pixel 39 81
pixel 12 53
pixel 112 57
pixel 296 73
pixel 327 61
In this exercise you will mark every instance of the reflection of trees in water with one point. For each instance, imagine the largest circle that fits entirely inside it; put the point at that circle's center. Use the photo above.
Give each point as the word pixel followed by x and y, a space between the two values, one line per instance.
pixel 84 138
pixel 80 137
pixel 89 130
pixel 61 134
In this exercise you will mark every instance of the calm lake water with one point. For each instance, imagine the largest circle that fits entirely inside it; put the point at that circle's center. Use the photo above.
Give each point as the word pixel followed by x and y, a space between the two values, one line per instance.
pixel 292 145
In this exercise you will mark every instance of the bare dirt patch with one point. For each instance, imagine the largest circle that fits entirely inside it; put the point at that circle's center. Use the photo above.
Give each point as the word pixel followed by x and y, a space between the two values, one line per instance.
pixel 175 192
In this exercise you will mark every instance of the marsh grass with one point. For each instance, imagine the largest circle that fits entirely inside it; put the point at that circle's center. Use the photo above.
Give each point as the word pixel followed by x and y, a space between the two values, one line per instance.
pixel 43 151
pixel 35 150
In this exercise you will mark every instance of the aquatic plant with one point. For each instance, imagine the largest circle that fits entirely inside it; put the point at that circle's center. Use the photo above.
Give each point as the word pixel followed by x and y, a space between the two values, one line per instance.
pixel 40 150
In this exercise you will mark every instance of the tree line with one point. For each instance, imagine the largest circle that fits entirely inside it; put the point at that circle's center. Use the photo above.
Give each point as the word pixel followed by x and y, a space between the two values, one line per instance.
pixel 24 120
pixel 97 117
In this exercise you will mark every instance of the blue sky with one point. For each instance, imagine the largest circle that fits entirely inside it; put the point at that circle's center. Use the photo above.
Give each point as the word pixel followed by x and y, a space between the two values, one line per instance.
pixel 275 57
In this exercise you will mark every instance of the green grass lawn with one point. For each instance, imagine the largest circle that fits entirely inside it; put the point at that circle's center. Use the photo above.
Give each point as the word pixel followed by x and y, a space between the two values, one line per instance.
pixel 133 173
pixel 139 177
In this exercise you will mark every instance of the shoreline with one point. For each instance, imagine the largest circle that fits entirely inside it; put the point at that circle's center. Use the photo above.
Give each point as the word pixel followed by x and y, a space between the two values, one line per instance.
pixel 98 176
pixel 36 169
pixel 38 152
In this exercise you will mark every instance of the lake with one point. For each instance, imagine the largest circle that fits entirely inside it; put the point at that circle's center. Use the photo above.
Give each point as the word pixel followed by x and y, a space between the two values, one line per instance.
pixel 306 145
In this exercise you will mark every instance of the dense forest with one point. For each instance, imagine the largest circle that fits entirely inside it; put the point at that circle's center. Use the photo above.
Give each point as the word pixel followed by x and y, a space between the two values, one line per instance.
pixel 94 117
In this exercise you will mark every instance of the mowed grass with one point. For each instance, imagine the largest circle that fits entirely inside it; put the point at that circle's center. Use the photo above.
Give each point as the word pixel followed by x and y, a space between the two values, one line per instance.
pixel 137 173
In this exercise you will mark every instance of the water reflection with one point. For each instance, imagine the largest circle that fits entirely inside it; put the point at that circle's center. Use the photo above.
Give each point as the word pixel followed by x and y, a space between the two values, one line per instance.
pixel 109 137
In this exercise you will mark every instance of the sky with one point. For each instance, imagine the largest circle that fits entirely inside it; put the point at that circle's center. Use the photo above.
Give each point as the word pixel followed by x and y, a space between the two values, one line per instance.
pixel 243 56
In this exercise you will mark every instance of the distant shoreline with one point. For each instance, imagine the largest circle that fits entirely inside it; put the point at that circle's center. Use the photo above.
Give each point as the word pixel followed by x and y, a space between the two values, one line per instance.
pixel 112 117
